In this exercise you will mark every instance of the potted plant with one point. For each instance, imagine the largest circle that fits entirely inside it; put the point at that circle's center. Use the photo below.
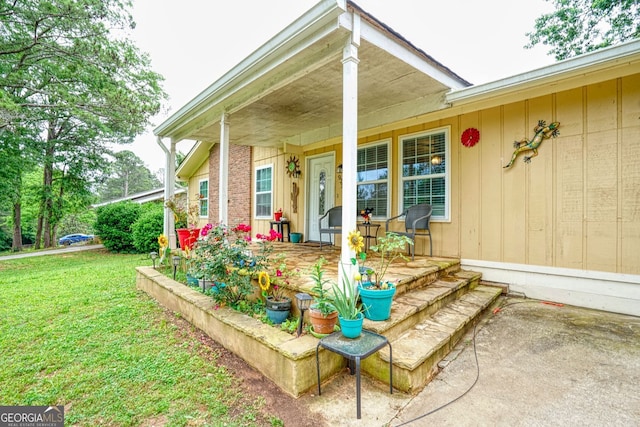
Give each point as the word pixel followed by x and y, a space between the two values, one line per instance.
pixel 377 293
pixel 349 310
pixel 322 313
pixel 186 219
pixel 271 281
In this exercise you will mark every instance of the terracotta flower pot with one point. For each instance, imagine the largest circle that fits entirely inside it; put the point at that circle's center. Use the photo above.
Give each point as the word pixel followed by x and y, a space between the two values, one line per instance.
pixel 322 324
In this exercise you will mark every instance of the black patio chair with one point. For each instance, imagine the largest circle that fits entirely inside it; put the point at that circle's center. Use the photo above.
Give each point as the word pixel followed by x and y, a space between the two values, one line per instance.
pixel 416 223
pixel 334 223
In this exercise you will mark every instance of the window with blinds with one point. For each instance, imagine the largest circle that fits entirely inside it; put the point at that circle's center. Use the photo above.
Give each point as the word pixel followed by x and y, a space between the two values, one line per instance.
pixel 373 179
pixel 204 198
pixel 264 192
pixel 425 177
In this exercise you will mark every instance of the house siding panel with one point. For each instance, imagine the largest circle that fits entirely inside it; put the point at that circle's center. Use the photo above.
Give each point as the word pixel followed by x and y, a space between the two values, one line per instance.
pixel 491 212
pixel 470 185
pixel 514 204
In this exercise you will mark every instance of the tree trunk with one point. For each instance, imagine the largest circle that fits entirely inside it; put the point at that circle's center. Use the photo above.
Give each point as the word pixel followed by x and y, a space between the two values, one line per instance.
pixel 16 244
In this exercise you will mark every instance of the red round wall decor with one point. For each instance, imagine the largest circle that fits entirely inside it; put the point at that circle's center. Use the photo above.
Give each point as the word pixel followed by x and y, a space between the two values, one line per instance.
pixel 470 137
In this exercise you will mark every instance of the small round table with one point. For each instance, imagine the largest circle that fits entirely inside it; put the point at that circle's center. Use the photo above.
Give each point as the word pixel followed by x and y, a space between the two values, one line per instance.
pixel 370 232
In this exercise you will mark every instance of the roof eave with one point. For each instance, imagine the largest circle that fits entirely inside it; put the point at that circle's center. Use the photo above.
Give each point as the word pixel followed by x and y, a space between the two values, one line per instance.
pixel 322 14
pixel 566 69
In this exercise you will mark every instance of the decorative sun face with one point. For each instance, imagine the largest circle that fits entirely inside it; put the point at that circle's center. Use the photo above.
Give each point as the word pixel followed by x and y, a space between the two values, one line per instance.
pixel 293 166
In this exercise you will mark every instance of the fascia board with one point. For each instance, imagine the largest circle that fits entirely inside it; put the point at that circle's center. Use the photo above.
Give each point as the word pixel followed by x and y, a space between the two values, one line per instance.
pixel 408 55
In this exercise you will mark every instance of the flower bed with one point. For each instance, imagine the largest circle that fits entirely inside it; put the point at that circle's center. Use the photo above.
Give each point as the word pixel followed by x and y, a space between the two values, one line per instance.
pixel 286 360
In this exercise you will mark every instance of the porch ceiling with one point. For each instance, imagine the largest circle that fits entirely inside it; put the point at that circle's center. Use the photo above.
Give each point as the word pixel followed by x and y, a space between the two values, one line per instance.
pixel 310 108
pixel 292 92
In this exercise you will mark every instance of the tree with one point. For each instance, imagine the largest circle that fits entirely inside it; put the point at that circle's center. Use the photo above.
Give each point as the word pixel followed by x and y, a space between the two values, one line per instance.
pixel 580 26
pixel 66 75
pixel 127 175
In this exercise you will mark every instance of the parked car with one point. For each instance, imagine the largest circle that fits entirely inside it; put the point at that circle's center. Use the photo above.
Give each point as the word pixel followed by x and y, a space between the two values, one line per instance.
pixel 74 238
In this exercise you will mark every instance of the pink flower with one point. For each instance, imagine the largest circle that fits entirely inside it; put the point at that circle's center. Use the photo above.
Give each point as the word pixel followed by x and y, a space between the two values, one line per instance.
pixel 278 273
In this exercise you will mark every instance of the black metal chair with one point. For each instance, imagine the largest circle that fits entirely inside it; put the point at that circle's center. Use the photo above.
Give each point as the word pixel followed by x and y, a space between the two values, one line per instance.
pixel 416 223
pixel 334 223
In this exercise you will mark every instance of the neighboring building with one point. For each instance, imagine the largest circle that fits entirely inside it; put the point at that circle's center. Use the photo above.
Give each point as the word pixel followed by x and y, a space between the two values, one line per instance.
pixel 155 195
pixel 362 111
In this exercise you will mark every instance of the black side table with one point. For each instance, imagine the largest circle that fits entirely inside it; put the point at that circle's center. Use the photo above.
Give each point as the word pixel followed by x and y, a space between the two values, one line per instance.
pixel 370 232
pixel 280 228
pixel 355 349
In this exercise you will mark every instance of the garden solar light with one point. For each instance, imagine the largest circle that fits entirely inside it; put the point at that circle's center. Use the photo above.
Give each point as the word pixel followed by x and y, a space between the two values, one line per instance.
pixel 304 301
pixel 153 256
pixel 176 263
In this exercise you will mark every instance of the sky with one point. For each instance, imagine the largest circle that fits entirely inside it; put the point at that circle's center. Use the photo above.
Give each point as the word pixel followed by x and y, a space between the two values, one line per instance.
pixel 192 43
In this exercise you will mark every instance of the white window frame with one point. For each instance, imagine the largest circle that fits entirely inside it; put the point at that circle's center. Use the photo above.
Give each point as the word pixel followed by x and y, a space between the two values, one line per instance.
pixel 203 200
pixel 386 142
pixel 447 174
pixel 255 192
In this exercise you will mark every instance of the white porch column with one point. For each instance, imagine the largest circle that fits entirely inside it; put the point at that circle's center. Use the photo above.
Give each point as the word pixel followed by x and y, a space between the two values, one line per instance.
pixel 169 228
pixel 223 191
pixel 349 142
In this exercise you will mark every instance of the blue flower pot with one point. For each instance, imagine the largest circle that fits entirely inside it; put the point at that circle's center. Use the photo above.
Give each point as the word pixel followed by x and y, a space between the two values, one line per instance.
pixel 351 328
pixel 377 302
pixel 278 311
pixel 296 237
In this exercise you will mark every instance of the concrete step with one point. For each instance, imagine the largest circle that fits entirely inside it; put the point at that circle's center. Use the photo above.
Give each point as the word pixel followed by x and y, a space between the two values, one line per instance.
pixel 414 306
pixel 418 350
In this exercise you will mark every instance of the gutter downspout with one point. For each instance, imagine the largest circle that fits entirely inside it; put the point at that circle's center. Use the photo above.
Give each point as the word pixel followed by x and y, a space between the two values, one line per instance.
pixel 169 190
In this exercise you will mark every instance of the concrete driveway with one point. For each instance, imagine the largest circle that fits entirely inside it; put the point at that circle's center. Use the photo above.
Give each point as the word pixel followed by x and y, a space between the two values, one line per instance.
pixel 534 364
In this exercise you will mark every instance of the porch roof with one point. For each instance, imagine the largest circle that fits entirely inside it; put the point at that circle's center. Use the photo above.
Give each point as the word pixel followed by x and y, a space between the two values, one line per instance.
pixel 290 90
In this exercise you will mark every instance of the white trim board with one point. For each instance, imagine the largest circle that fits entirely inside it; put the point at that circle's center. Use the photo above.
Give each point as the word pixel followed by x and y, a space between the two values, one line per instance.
pixel 614 292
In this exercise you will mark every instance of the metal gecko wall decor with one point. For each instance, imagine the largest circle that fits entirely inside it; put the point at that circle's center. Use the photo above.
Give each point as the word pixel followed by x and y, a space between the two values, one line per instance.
pixel 542 132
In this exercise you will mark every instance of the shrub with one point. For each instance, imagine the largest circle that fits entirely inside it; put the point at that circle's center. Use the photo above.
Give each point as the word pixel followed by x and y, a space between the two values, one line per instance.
pixel 147 228
pixel 114 223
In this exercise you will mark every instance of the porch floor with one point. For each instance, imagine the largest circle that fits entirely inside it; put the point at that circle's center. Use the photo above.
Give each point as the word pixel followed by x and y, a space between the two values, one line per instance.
pixel 302 256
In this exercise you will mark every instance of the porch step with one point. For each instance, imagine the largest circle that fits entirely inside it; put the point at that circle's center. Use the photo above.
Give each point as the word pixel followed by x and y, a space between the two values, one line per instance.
pixel 418 349
pixel 416 305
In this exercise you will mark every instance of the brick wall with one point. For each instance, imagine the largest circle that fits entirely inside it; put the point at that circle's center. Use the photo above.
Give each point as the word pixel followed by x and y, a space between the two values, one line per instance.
pixel 240 164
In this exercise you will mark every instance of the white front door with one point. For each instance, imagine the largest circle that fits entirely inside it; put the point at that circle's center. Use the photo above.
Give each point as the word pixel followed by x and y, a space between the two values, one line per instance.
pixel 320 191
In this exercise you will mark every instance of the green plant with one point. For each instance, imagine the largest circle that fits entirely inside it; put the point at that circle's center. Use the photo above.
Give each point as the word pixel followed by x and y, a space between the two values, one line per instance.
pixel 323 302
pixel 114 223
pixel 390 247
pixel 147 228
pixel 346 298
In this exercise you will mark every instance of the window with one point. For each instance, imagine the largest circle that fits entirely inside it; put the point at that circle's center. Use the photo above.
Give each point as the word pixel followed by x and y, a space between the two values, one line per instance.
pixel 425 171
pixel 264 191
pixel 373 179
pixel 204 198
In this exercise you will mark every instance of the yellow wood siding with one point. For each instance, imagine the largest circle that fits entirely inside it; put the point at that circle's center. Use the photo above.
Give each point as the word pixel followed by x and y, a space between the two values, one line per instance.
pixel 576 205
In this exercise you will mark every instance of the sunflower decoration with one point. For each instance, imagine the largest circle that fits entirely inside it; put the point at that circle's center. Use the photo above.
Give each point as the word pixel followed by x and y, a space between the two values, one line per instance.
pixel 264 281
pixel 163 242
pixel 356 241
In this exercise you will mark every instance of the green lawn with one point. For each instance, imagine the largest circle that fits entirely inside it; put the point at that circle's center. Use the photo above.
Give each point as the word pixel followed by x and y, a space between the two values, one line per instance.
pixel 74 331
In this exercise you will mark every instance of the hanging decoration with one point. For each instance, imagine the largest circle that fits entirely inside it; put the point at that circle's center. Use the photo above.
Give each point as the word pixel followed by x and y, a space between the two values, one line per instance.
pixel 470 137
pixel 293 167
pixel 542 132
